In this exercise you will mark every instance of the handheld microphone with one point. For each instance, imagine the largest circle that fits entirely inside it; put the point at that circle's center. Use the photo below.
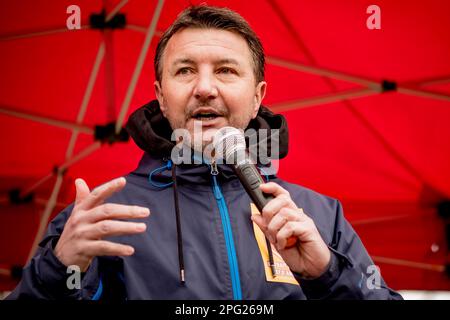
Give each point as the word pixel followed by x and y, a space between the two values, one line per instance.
pixel 229 145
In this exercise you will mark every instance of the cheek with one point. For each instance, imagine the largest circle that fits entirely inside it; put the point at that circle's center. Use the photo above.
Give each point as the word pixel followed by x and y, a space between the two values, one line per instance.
pixel 240 101
pixel 175 94
pixel 175 99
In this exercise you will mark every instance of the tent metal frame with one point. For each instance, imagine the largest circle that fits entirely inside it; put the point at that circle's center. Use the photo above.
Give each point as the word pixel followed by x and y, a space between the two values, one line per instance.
pixel 369 87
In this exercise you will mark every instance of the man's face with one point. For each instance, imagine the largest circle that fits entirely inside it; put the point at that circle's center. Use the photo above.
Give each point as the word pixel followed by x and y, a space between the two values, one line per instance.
pixel 208 80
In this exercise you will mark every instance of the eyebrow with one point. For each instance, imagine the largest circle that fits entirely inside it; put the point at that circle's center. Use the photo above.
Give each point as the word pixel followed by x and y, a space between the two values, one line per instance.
pixel 221 61
pixel 228 61
pixel 183 61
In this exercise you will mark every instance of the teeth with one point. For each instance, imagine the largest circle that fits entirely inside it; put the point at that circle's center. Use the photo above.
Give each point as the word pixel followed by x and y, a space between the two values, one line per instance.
pixel 206 115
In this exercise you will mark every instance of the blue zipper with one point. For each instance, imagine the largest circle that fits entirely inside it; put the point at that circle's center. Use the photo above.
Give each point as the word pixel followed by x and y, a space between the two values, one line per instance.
pixel 228 234
pixel 99 291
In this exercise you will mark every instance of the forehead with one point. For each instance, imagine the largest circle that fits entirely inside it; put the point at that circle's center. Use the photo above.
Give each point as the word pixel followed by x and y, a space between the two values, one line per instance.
pixel 207 45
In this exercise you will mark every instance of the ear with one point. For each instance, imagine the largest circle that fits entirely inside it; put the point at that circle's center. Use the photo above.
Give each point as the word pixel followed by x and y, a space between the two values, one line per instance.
pixel 160 97
pixel 260 92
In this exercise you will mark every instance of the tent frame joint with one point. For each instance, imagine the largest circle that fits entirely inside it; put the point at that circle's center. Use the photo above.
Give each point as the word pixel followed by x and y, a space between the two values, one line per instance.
pixel 59 170
pixel 16 198
pixel 107 133
pixel 99 21
pixel 387 86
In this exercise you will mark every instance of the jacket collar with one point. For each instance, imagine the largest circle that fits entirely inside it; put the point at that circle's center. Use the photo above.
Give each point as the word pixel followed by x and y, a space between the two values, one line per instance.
pixel 151 131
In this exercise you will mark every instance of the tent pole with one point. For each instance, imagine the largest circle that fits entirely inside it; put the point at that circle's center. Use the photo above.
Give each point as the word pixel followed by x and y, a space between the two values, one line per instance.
pixel 340 75
pixel 107 35
pixel 6 200
pixel 408 263
pixel 5 272
pixel 92 79
pixel 30 34
pixel 84 153
pixel 109 71
pixel 428 81
pixel 36 185
pixel 46 120
pixel 86 97
pixel 437 81
pixel 378 220
pixel 137 28
pixel 84 104
pixel 52 201
pixel 81 113
pixel 139 64
pixel 315 101
pixel 423 93
pixel 46 214
pixel 44 201
pixel 115 10
pixel 296 66
pixel 350 78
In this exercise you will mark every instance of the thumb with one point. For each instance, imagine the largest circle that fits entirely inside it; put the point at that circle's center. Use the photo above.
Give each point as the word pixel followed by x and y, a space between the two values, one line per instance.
pixel 82 190
pixel 259 220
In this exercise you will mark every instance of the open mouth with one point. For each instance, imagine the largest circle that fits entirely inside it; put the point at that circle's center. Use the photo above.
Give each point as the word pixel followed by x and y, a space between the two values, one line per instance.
pixel 205 116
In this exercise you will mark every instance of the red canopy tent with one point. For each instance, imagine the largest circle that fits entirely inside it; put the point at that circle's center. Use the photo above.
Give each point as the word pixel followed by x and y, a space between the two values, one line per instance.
pixel 368 111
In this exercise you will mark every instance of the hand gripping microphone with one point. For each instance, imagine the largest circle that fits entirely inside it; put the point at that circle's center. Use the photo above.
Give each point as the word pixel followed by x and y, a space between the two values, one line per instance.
pixel 229 146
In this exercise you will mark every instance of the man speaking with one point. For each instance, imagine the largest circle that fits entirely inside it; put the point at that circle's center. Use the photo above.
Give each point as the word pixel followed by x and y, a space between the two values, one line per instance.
pixel 172 230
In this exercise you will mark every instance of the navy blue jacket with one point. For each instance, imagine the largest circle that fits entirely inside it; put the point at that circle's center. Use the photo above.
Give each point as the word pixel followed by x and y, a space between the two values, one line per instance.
pixel 221 255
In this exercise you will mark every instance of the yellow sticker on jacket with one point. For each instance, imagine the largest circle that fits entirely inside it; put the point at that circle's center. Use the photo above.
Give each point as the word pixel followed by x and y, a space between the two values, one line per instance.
pixel 282 271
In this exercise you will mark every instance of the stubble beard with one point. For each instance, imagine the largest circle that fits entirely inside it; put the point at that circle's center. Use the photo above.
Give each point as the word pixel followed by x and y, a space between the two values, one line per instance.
pixel 201 139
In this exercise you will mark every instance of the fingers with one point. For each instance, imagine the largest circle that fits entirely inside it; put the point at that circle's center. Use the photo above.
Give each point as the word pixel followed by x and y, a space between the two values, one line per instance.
pixel 276 204
pixel 109 211
pixel 273 188
pixel 301 229
pixel 256 218
pixel 99 194
pixel 107 248
pixel 82 190
pixel 273 226
pixel 109 228
pixel 280 220
pixel 282 199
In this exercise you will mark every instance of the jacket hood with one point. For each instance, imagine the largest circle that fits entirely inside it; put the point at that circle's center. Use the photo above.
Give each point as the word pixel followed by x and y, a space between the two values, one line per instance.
pixel 151 131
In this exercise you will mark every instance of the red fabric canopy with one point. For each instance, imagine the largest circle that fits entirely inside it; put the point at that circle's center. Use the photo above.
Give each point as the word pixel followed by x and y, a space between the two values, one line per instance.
pixel 384 154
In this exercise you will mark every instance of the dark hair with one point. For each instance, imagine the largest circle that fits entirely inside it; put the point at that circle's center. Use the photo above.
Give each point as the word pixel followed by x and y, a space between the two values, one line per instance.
pixel 210 17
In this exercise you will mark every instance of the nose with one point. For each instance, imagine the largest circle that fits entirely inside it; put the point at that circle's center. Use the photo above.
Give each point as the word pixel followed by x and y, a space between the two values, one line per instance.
pixel 205 87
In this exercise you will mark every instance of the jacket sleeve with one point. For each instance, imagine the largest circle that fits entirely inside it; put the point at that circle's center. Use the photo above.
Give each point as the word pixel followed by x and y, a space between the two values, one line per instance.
pixel 351 273
pixel 45 277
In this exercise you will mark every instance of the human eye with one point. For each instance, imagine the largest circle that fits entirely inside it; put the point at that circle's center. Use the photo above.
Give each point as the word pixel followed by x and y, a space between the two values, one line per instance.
pixel 227 71
pixel 184 71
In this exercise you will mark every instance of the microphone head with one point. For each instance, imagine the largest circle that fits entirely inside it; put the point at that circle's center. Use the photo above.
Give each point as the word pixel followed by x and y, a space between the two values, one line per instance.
pixel 229 145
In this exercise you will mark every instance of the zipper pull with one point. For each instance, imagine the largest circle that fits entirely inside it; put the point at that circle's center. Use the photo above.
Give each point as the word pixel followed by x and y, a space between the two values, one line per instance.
pixel 214 169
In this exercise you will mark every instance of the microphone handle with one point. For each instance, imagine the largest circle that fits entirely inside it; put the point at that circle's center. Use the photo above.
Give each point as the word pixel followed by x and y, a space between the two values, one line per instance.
pixel 251 180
